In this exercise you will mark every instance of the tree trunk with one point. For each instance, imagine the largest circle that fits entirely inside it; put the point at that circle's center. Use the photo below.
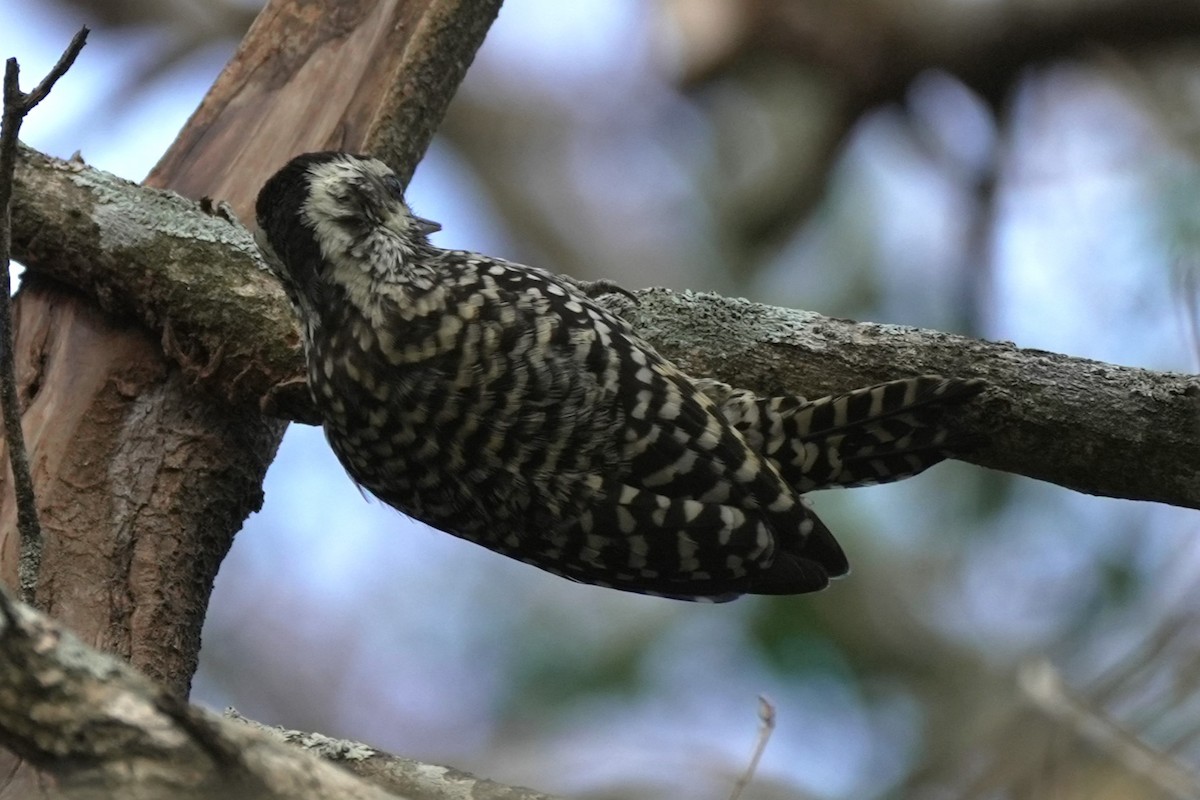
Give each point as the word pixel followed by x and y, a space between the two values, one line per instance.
pixel 142 480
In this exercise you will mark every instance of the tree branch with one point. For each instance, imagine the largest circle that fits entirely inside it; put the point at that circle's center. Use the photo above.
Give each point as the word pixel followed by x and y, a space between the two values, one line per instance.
pixel 875 49
pixel 101 729
pixel 367 75
pixel 404 776
pixel 194 278
pixel 1094 427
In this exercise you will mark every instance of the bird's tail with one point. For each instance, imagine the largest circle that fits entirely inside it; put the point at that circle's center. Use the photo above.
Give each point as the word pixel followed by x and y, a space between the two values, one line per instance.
pixel 874 435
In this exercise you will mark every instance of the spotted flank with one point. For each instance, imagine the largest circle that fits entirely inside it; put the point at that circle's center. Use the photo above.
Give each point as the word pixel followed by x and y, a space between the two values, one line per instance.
pixel 500 403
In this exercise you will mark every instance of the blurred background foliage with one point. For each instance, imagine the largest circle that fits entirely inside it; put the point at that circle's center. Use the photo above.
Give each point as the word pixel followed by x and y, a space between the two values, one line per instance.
pixel 1010 169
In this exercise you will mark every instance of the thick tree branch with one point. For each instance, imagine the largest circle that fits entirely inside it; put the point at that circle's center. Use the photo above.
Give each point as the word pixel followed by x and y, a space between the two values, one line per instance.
pixel 403 776
pixel 1098 428
pixel 152 256
pixel 102 730
pixel 1094 427
pixel 374 76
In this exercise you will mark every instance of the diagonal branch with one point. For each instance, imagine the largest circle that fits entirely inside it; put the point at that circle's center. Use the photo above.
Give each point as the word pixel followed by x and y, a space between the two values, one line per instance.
pixel 1094 427
pixel 104 730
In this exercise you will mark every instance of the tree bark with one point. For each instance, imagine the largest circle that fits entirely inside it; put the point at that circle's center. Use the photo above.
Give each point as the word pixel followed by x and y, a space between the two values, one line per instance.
pixel 102 730
pixel 142 481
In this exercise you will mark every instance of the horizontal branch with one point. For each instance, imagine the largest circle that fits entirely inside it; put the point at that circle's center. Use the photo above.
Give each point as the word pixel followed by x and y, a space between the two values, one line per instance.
pixel 196 278
pixel 875 56
pixel 191 275
pixel 1094 427
pixel 101 729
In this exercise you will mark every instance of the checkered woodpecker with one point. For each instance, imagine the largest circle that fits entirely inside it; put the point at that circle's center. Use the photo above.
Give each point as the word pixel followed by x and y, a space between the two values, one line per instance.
pixel 501 404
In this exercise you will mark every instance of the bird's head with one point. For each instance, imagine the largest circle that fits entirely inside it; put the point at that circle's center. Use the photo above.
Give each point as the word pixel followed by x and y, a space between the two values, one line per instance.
pixel 333 218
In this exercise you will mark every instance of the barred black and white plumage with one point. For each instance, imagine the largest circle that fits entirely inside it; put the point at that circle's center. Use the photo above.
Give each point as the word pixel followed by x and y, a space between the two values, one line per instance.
pixel 501 404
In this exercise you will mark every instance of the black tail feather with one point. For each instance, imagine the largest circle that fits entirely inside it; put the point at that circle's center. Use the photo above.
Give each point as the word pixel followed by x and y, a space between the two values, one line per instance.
pixel 878 434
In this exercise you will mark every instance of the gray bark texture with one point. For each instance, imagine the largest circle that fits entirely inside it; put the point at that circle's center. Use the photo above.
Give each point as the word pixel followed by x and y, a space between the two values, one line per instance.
pixel 105 731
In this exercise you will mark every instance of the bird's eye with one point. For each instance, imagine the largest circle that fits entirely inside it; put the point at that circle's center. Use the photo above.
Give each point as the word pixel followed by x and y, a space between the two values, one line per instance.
pixel 393 185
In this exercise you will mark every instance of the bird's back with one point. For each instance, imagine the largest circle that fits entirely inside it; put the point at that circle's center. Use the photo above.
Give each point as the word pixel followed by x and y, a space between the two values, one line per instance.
pixel 506 407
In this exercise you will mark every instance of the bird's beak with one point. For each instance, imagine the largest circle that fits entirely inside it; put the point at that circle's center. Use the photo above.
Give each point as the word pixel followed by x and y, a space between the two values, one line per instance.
pixel 426 226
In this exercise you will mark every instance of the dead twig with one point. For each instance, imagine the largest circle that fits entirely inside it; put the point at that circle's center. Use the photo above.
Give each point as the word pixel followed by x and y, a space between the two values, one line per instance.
pixel 17 105
pixel 1045 688
pixel 766 718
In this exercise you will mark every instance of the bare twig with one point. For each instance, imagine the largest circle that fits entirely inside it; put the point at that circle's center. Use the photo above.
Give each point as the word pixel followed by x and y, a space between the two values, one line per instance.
pixel 1189 296
pixel 16 105
pixel 766 718
pixel 1044 686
